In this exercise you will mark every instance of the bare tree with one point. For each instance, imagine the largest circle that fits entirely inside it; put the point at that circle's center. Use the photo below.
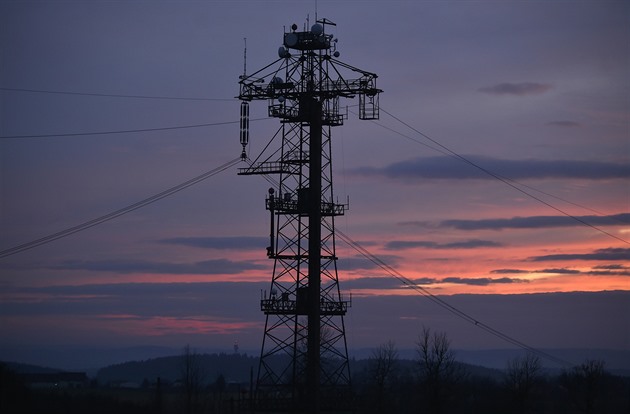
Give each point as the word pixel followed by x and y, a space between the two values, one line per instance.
pixel 521 377
pixel 382 367
pixel 584 384
pixel 192 377
pixel 439 372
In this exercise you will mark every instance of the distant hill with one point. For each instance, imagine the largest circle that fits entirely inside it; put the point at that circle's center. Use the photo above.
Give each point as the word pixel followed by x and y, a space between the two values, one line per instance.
pixel 82 358
pixel 237 368
pixel 616 361
pixel 410 368
pixel 233 367
pixel 29 368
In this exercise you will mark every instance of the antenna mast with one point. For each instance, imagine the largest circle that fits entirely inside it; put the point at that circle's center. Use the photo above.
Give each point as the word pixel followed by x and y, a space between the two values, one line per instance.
pixel 304 364
pixel 244 56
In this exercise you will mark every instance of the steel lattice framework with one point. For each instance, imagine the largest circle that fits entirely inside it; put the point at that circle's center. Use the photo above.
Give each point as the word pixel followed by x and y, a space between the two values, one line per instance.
pixel 304 358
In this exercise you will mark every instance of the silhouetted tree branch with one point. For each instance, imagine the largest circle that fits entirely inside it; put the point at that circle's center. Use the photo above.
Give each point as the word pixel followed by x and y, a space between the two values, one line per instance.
pixel 381 368
pixel 521 377
pixel 584 384
pixel 192 377
pixel 439 372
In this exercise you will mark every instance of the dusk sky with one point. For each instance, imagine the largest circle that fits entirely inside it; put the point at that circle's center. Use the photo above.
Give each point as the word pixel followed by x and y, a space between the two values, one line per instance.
pixel 535 92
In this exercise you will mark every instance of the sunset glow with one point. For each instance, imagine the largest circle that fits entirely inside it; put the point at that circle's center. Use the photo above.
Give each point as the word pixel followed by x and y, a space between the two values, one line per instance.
pixel 497 177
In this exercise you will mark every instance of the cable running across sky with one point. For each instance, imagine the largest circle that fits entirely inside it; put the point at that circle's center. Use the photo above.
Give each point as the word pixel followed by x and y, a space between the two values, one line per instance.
pixel 374 259
pixel 442 303
pixel 113 95
pixel 102 219
pixel 507 181
pixel 356 246
pixel 453 155
pixel 436 299
pixel 127 131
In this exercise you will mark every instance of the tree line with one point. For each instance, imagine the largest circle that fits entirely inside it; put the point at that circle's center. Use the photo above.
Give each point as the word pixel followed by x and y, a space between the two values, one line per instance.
pixel 436 383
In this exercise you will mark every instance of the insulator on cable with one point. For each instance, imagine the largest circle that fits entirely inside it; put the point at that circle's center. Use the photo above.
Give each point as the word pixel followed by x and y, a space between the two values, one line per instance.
pixel 244 127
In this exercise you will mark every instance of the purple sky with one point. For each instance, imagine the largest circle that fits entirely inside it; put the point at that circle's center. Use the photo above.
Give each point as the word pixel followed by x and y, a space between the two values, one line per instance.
pixel 537 92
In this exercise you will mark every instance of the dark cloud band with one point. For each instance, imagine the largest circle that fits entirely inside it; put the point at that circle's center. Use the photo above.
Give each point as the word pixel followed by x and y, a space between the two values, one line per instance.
pixel 610 254
pixel 217 266
pixel 468 244
pixel 220 243
pixel 448 168
pixel 516 89
pixel 533 222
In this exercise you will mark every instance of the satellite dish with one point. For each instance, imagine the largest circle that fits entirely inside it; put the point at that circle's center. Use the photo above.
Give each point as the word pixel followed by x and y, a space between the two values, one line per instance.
pixel 317 29
pixel 283 52
pixel 290 39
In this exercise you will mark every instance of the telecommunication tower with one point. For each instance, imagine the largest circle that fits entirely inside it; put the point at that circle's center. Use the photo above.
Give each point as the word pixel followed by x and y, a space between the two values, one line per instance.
pixel 304 357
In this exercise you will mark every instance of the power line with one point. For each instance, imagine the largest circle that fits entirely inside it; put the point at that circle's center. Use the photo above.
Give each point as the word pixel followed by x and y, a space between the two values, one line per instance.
pixel 102 219
pixel 112 95
pixel 442 303
pixel 436 299
pixel 504 180
pixel 126 131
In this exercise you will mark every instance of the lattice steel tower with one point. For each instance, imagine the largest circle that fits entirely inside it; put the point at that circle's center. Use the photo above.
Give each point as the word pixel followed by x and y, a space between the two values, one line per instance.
pixel 304 357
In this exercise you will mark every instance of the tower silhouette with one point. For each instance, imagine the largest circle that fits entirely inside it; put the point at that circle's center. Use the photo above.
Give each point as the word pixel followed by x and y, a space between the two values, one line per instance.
pixel 304 356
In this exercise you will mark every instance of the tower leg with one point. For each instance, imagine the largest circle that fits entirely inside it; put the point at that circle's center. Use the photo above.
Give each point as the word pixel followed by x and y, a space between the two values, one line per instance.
pixel 314 255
